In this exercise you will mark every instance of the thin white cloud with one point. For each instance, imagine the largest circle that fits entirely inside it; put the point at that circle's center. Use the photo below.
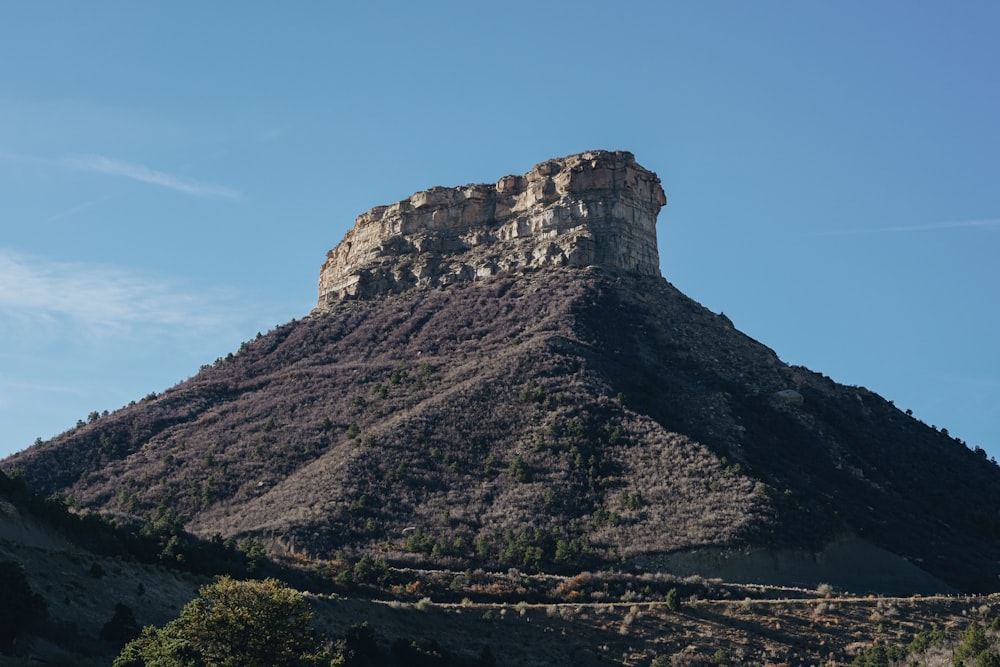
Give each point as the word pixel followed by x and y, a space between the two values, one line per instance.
pixel 957 224
pixel 101 164
pixel 79 208
pixel 105 165
pixel 41 295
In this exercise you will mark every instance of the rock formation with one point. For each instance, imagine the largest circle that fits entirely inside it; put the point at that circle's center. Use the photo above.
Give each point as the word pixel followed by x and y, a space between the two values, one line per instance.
pixel 594 208
pixel 559 419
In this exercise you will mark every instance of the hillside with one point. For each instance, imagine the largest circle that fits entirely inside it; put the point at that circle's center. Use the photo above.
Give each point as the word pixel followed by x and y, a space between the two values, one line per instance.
pixel 495 379
pixel 604 410
pixel 81 591
pixel 584 623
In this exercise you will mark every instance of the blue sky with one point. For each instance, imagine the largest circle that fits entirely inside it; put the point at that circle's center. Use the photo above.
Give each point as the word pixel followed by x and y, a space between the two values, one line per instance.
pixel 172 174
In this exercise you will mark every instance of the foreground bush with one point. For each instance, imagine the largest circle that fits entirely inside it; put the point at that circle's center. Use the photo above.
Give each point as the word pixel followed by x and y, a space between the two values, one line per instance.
pixel 233 624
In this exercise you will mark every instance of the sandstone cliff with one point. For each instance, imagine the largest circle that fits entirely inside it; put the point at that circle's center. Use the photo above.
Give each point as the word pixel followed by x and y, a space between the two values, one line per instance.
pixel 594 208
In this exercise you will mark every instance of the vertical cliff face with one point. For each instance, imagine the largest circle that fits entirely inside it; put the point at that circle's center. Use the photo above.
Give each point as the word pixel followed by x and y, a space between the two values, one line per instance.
pixel 594 208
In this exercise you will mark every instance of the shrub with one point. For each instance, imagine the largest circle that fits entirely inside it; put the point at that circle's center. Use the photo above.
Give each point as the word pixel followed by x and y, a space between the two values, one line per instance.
pixel 233 623
pixel 988 659
pixel 419 652
pixel 122 626
pixel 255 554
pixel 519 470
pixel 370 570
pixel 924 640
pixel 359 647
pixel 873 656
pixel 21 607
pixel 673 600
pixel 973 644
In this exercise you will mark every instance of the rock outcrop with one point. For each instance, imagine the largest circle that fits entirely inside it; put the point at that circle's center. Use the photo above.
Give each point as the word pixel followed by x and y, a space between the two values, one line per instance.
pixel 594 208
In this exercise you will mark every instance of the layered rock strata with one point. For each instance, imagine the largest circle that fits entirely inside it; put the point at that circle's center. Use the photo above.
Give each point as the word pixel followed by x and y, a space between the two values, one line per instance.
pixel 594 208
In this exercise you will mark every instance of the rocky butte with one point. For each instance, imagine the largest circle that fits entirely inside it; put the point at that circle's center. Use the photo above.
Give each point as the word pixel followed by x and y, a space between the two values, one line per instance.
pixel 547 402
pixel 596 208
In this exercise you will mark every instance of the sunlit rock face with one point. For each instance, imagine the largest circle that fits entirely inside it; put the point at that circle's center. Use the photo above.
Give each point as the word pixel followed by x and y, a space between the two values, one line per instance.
pixel 591 209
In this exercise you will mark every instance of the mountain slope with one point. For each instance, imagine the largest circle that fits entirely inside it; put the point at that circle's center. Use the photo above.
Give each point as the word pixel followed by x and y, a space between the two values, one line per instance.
pixel 558 418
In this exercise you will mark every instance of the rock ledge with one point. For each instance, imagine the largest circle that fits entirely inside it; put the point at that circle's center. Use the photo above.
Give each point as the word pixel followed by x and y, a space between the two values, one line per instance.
pixel 594 208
